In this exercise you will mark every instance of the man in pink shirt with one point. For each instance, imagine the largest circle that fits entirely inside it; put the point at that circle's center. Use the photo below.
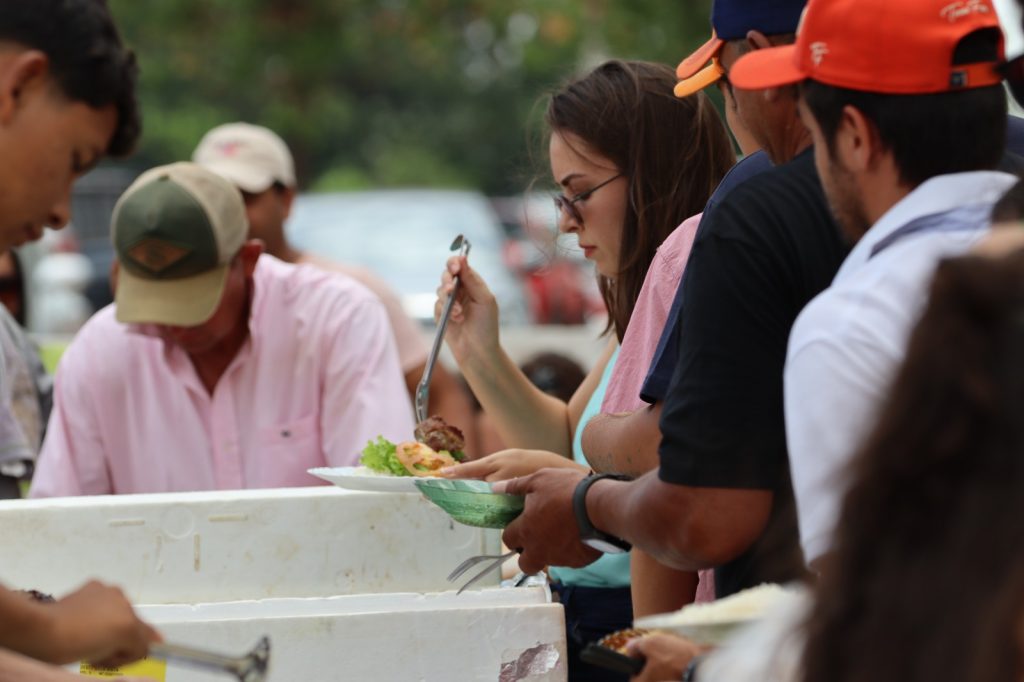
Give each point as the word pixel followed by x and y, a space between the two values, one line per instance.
pixel 258 162
pixel 217 367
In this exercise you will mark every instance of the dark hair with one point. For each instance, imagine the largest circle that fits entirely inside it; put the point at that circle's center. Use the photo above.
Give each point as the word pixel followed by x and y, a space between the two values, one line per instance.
pixel 88 62
pixel 927 579
pixel 673 151
pixel 554 374
pixel 931 134
pixel 1010 207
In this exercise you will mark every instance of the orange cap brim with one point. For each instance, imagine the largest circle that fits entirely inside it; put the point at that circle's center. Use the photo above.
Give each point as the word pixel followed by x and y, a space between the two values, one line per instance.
pixel 702 79
pixel 694 72
pixel 696 61
pixel 768 68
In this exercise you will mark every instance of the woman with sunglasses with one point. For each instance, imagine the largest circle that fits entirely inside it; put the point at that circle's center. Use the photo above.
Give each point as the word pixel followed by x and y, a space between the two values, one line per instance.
pixel 632 162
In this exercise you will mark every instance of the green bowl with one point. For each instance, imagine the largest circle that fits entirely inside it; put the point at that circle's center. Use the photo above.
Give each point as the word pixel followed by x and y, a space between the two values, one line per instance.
pixel 472 502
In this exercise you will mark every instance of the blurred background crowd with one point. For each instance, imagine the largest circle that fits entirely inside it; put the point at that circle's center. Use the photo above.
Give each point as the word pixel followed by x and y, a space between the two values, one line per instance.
pixel 427 121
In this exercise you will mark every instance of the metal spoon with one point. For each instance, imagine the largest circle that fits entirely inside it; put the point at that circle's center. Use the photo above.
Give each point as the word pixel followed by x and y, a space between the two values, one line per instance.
pixel 462 245
pixel 251 667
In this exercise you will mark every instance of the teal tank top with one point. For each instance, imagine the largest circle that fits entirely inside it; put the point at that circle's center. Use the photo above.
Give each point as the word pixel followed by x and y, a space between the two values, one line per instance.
pixel 611 570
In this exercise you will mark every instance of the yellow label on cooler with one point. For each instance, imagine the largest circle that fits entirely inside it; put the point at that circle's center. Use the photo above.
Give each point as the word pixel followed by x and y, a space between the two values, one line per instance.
pixel 151 668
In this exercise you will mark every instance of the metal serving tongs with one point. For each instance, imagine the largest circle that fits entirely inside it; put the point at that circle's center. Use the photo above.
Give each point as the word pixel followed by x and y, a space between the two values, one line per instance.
pixel 461 244
pixel 251 667
pixel 494 561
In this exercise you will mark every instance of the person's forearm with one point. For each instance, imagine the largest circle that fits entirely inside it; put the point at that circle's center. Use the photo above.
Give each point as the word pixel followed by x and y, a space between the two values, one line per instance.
pixel 17 668
pixel 616 508
pixel 682 527
pixel 24 625
pixel 624 443
pixel 524 416
pixel 657 588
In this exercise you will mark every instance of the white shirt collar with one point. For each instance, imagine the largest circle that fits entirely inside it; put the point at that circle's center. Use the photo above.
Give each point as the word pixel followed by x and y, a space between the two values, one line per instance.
pixel 935 195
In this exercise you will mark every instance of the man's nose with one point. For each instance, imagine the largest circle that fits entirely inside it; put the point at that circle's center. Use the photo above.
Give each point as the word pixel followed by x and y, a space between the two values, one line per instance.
pixel 60 213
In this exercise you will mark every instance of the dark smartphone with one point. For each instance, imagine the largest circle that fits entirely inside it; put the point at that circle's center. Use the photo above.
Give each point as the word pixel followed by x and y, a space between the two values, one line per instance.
pixel 602 656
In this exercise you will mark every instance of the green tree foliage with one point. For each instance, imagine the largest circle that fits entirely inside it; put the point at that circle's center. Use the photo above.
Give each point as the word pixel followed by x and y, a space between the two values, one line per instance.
pixel 384 92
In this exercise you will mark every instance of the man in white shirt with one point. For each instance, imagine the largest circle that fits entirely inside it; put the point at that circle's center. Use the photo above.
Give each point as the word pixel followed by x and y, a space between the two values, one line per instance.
pixel 908 125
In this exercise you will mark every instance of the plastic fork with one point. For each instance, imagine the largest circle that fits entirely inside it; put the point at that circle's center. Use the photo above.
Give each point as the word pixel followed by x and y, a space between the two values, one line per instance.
pixel 461 244
pixel 495 561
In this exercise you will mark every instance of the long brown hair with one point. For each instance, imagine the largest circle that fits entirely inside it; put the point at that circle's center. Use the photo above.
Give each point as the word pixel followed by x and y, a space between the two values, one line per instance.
pixel 673 151
pixel 927 579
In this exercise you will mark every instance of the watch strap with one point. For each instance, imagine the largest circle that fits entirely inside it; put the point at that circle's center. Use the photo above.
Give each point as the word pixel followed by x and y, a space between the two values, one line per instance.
pixel 579 506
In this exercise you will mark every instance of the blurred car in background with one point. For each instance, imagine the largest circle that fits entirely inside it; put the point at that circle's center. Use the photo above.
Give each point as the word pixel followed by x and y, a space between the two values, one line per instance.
pixel 560 280
pixel 92 205
pixel 404 237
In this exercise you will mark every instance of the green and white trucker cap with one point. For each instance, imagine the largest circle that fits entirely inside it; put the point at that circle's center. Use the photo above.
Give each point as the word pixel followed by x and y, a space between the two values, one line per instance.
pixel 175 231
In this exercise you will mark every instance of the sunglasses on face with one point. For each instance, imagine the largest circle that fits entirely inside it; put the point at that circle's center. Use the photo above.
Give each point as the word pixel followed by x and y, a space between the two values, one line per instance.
pixel 568 206
pixel 1013 72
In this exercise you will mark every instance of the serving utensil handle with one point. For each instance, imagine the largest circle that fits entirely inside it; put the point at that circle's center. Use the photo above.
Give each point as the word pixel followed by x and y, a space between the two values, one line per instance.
pixel 423 388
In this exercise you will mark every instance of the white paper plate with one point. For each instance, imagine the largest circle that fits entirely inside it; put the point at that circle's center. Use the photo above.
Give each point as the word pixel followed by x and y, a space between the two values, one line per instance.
pixel 714 622
pixel 361 478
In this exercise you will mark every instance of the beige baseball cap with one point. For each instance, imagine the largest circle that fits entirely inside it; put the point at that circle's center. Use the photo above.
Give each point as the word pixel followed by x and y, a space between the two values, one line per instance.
pixel 252 157
pixel 175 230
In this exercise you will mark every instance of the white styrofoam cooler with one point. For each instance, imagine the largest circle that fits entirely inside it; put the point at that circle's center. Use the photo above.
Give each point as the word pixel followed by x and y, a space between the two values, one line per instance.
pixel 234 545
pixel 505 635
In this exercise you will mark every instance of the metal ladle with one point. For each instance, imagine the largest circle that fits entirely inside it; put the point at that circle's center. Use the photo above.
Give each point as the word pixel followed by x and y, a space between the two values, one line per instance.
pixel 462 245
pixel 251 667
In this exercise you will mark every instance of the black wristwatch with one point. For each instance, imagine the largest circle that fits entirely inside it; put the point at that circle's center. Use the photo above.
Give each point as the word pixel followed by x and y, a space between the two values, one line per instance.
pixel 590 536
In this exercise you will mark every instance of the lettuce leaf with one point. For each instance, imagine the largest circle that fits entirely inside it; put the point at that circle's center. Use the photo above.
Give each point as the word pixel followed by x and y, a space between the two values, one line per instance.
pixel 380 456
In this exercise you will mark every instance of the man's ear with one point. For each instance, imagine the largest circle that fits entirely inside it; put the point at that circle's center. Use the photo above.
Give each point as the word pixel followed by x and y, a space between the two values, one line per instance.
pixel 250 253
pixel 287 199
pixel 857 143
pixel 20 73
pixel 757 40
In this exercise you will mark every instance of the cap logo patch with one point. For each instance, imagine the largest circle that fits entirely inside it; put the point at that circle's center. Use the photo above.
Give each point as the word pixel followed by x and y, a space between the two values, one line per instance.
pixel 955 11
pixel 818 52
pixel 229 148
pixel 156 255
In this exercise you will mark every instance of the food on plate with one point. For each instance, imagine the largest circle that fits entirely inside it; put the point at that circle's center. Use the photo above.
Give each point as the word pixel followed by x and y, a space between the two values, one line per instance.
pixel 618 640
pixel 419 459
pixel 411 458
pixel 379 456
pixel 440 436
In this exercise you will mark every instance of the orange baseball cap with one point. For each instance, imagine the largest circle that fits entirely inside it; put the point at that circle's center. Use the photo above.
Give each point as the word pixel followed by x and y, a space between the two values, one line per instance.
pixel 897 47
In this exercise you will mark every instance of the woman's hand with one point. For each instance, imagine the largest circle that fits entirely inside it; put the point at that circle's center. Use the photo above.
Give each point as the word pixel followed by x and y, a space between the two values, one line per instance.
pixel 473 325
pixel 508 464
pixel 666 656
